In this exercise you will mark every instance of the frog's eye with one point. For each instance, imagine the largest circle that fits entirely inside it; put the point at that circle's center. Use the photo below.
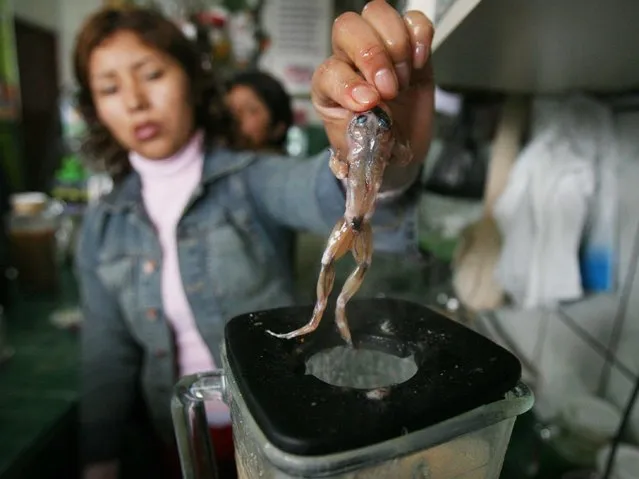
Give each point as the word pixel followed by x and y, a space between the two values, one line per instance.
pixel 384 122
pixel 361 120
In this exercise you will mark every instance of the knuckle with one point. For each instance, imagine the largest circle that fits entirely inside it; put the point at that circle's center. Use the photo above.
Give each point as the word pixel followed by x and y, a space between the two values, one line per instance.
pixel 368 8
pixel 371 55
pixel 342 22
pixel 324 69
pixel 419 20
pixel 321 70
pixel 423 19
pixel 428 23
pixel 376 6
pixel 428 28
pixel 398 47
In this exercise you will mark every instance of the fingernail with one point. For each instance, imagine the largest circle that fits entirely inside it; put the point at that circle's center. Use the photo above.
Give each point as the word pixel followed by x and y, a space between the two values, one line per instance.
pixel 402 70
pixel 420 56
pixel 385 81
pixel 364 94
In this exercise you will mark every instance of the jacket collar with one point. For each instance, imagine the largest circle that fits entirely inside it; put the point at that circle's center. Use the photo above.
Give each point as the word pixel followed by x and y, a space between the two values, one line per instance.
pixel 218 162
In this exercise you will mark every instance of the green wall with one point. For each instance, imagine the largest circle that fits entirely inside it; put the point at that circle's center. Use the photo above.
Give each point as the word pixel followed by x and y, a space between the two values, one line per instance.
pixel 10 157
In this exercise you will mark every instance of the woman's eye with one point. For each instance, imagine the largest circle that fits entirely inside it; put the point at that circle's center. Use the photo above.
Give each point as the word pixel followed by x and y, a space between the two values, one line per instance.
pixel 110 90
pixel 154 75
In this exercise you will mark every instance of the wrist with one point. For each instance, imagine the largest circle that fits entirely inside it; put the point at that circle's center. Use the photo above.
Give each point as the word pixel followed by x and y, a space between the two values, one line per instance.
pixel 398 181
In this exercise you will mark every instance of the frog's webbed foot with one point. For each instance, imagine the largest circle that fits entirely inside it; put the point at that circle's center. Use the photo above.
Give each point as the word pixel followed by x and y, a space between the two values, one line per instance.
pixel 339 242
pixel 337 166
pixel 363 253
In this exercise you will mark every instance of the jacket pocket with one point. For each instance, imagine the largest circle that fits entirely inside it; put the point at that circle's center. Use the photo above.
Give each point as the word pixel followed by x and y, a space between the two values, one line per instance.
pixel 236 259
pixel 116 274
pixel 119 276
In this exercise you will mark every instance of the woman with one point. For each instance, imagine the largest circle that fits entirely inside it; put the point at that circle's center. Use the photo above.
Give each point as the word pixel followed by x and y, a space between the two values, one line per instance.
pixel 262 109
pixel 190 235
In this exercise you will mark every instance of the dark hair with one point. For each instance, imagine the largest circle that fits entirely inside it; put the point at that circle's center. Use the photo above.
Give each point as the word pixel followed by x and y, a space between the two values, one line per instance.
pixel 273 95
pixel 211 115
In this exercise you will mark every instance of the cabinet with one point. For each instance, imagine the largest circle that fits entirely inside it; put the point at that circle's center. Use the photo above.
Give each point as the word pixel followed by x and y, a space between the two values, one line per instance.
pixel 542 46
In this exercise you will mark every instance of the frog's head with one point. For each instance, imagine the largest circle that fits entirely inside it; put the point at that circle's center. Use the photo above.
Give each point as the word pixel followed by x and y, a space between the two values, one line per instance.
pixel 372 122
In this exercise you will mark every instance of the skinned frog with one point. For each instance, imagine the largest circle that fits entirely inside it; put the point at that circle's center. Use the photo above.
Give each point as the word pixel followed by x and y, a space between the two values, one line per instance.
pixel 371 144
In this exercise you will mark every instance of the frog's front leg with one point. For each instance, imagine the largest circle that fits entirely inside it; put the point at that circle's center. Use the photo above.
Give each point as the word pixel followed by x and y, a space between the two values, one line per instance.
pixel 339 242
pixel 362 250
pixel 401 154
pixel 337 166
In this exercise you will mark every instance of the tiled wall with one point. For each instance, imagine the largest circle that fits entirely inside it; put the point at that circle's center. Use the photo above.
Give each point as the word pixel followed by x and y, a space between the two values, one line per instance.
pixel 564 352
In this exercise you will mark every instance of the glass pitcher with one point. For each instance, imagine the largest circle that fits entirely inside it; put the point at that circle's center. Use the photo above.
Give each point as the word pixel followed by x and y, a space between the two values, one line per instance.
pixel 419 396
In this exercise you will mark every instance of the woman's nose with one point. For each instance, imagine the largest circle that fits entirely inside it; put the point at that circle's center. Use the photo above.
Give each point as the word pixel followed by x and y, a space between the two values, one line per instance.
pixel 135 98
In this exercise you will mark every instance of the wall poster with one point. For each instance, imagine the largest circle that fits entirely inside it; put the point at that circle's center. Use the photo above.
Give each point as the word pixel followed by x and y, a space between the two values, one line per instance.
pixel 300 33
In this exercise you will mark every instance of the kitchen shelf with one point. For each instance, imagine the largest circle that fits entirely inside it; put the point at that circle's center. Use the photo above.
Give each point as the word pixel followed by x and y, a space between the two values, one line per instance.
pixel 543 46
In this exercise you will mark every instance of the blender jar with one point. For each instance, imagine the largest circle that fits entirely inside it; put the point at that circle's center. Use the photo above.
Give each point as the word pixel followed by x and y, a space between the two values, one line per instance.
pixel 420 396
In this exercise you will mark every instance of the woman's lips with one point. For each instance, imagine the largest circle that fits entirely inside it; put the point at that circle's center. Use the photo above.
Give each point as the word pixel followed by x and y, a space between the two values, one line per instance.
pixel 146 131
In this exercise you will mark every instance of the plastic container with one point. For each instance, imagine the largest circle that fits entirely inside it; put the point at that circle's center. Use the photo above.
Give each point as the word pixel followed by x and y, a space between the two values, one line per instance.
pixel 586 424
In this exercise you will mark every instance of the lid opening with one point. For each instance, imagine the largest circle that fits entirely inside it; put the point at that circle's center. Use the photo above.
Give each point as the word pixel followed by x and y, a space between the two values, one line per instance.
pixel 344 366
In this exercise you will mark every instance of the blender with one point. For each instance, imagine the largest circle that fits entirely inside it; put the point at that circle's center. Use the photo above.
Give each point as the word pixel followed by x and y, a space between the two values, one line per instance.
pixel 418 396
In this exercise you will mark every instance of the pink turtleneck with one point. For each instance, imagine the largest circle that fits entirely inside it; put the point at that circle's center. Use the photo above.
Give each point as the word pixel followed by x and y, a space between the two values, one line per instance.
pixel 167 186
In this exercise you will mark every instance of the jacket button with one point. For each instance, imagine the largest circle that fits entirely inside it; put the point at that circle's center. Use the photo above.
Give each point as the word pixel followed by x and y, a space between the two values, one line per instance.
pixel 149 267
pixel 151 314
pixel 160 353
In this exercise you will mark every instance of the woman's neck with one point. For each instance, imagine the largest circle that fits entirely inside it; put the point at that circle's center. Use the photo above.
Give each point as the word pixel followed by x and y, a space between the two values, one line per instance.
pixel 190 153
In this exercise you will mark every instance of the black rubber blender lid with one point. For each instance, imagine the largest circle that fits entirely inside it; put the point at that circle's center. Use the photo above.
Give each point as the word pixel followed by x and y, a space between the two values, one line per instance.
pixel 459 370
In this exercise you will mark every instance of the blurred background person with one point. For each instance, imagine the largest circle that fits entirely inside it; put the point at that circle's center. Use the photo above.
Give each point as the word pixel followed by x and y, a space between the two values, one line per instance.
pixel 262 109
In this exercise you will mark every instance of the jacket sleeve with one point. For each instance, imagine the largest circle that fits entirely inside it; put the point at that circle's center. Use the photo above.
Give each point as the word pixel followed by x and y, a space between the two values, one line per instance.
pixel 110 356
pixel 303 194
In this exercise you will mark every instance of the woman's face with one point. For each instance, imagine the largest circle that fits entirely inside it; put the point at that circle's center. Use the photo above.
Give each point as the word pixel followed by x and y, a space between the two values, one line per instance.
pixel 252 115
pixel 141 96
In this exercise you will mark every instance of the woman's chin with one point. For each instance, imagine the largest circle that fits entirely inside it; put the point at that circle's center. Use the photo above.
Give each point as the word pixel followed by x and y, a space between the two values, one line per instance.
pixel 156 149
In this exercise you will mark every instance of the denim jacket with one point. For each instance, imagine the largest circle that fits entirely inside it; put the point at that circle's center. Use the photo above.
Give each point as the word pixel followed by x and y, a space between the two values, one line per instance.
pixel 233 248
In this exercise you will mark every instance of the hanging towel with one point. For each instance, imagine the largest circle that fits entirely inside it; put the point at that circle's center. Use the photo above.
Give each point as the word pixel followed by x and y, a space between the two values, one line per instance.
pixel 544 209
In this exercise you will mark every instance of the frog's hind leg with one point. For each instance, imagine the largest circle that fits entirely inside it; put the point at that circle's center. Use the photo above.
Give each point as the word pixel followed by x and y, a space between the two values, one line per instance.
pixel 363 252
pixel 339 242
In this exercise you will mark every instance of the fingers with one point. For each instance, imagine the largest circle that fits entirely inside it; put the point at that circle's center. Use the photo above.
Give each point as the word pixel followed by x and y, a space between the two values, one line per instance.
pixel 384 47
pixel 376 55
pixel 420 32
pixel 337 84
pixel 392 30
pixel 355 41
